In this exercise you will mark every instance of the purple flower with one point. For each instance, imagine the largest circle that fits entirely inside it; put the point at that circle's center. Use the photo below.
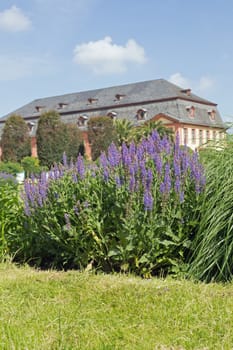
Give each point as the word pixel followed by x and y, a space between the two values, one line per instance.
pixel 80 166
pixel 148 200
pixel 114 155
pixel 165 186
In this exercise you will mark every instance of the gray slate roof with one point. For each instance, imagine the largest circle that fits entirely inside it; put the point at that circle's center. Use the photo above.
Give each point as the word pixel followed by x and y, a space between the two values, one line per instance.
pixel 136 93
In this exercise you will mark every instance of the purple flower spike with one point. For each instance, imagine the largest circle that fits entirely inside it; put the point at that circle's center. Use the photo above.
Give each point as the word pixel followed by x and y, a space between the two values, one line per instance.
pixel 148 200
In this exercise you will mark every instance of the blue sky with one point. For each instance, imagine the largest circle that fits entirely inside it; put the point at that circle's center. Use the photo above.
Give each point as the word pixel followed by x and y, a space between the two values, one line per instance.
pixel 53 47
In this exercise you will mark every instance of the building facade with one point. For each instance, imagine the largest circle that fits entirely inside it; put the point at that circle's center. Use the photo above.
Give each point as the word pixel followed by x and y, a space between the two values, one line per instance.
pixel 197 120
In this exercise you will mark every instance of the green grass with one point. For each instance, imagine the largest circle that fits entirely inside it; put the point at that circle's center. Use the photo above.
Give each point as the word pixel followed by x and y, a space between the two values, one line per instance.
pixel 73 310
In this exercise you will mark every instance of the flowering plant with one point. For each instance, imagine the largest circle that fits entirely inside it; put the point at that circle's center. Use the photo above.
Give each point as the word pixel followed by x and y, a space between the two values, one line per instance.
pixel 134 210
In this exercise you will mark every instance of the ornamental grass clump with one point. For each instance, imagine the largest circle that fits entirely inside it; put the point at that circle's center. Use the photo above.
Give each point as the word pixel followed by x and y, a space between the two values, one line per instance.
pixel 212 249
pixel 134 210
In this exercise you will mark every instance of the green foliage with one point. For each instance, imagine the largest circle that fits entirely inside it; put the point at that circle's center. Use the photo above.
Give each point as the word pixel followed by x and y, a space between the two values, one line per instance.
pixel 10 215
pixel 12 168
pixel 101 134
pixel 124 130
pixel 50 138
pixel 74 143
pixel 78 217
pixel 140 132
pixel 30 165
pixel 54 138
pixel 15 139
pixel 212 257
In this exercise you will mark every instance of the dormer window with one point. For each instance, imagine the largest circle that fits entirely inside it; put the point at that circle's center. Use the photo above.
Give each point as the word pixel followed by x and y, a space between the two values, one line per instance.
pixel 186 91
pixel 30 126
pixel 191 111
pixel 211 113
pixel 82 120
pixel 92 100
pixel 112 114
pixel 62 105
pixel 141 114
pixel 119 97
pixel 39 108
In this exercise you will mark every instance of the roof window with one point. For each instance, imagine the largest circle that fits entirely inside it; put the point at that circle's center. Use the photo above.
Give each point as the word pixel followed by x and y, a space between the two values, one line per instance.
pixel 92 100
pixel 30 126
pixel 212 114
pixel 112 114
pixel 186 91
pixel 39 108
pixel 191 111
pixel 119 97
pixel 62 105
pixel 82 120
pixel 141 114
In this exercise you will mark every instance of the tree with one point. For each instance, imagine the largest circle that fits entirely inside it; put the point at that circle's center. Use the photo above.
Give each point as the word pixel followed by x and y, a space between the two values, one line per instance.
pixel 101 134
pixel 15 140
pixel 123 129
pixel 55 137
pixel 147 128
pixel 74 145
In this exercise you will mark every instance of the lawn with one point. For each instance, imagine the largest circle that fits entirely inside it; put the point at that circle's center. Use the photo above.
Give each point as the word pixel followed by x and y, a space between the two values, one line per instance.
pixel 74 310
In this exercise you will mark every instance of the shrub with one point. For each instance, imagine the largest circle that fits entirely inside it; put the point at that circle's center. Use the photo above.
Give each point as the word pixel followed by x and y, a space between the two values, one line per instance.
pixel 12 168
pixel 31 165
pixel 101 133
pixel 54 138
pixel 11 213
pixel 134 211
pixel 15 139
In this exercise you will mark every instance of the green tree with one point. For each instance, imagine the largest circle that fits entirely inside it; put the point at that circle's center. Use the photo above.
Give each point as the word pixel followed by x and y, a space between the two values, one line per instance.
pixel 147 128
pixel 101 134
pixel 55 137
pixel 74 144
pixel 123 129
pixel 15 140
pixel 50 138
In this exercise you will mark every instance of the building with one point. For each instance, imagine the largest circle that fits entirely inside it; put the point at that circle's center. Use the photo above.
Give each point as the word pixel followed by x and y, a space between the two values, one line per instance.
pixel 197 120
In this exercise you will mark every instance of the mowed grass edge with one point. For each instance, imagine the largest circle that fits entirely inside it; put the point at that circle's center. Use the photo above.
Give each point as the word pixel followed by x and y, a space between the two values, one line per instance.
pixel 81 310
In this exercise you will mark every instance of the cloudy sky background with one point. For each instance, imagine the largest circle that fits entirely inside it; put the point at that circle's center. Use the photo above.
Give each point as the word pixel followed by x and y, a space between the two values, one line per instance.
pixel 53 47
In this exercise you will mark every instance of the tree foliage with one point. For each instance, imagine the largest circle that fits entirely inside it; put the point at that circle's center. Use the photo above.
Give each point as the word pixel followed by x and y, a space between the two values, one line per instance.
pixel 101 133
pixel 15 140
pixel 138 133
pixel 55 137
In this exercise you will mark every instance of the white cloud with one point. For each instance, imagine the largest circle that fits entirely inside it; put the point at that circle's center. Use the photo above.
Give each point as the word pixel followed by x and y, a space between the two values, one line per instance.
pixel 103 56
pixel 201 85
pixel 179 79
pixel 14 20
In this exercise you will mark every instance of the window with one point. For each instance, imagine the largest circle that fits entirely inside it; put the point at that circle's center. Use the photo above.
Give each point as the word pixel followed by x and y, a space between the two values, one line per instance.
pixel 119 97
pixel 92 100
pixel 185 136
pixel 62 105
pixel 200 137
pixel 193 136
pixel 191 111
pixel 112 114
pixel 212 113
pixel 207 135
pixel 141 114
pixel 39 108
pixel 82 120
pixel 30 126
pixel 186 91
